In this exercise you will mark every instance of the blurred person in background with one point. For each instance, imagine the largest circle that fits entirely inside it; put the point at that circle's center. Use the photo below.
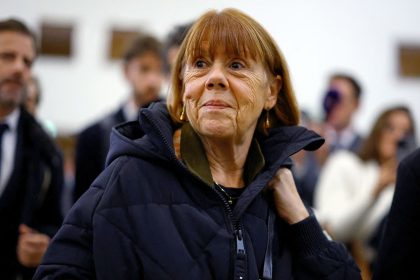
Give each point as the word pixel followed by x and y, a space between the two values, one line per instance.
pixel 171 46
pixel 32 96
pixel 31 101
pixel 354 191
pixel 143 71
pixel 340 103
pixel 398 256
pixel 304 173
pixel 225 206
pixel 31 170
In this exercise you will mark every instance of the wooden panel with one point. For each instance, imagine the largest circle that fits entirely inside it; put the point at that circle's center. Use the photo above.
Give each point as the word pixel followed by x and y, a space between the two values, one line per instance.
pixel 409 58
pixel 56 40
pixel 120 40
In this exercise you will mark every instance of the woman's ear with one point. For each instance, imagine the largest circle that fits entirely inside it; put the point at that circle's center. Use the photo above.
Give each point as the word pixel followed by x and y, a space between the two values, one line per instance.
pixel 275 86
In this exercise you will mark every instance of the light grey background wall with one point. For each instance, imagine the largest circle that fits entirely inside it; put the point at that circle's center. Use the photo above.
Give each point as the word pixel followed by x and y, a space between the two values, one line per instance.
pixel 317 37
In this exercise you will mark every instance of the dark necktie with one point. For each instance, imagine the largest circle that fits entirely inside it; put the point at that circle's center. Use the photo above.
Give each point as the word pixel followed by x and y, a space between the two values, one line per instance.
pixel 3 128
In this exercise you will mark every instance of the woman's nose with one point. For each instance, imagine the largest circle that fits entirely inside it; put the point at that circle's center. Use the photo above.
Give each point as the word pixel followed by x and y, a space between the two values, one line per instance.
pixel 217 78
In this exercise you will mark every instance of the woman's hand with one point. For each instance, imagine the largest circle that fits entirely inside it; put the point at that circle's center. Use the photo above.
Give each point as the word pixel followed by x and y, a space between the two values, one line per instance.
pixel 288 203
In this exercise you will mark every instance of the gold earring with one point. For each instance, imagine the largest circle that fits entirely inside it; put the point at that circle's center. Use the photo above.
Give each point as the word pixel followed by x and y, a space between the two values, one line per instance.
pixel 182 117
pixel 267 120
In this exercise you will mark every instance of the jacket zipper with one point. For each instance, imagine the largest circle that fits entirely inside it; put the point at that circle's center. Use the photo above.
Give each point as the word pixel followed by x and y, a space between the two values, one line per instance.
pixel 235 225
pixel 238 233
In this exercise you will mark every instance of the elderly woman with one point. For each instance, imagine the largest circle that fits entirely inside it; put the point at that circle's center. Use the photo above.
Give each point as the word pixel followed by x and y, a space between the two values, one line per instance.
pixel 199 210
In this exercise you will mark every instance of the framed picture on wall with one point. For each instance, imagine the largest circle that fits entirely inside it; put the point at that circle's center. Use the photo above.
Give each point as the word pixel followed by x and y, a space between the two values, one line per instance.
pixel 56 39
pixel 119 41
pixel 409 60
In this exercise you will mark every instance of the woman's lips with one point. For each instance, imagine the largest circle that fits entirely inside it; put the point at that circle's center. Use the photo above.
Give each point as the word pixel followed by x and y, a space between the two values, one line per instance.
pixel 217 104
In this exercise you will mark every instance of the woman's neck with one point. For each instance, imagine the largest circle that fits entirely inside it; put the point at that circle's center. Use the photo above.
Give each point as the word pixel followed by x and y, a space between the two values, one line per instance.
pixel 227 161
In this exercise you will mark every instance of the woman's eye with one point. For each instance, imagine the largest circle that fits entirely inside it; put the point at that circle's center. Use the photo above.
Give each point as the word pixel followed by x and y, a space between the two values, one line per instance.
pixel 200 63
pixel 237 65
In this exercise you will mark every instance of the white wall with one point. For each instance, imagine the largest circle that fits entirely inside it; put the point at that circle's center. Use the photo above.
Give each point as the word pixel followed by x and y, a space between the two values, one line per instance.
pixel 317 37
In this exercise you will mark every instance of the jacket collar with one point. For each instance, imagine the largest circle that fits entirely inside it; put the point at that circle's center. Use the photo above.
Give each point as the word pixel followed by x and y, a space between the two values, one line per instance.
pixel 277 148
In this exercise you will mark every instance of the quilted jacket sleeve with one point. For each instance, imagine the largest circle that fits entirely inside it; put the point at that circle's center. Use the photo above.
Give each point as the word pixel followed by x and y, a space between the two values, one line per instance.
pixel 317 256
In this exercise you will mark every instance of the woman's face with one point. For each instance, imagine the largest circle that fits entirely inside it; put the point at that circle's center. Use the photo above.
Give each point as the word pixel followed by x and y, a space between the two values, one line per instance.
pixel 397 127
pixel 224 94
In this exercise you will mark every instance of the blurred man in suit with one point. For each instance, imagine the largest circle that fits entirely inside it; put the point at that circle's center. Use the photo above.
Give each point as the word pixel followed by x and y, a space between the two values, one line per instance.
pixel 31 173
pixel 143 70
pixel 341 102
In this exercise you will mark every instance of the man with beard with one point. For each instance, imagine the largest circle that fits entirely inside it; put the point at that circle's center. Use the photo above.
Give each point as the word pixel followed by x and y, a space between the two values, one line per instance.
pixel 143 71
pixel 31 173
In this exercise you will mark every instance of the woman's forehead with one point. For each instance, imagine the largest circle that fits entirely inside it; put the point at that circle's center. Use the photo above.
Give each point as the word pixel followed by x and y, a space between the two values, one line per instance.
pixel 207 48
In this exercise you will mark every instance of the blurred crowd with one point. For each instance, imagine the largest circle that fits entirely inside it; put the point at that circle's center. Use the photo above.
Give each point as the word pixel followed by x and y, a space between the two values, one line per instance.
pixel 349 182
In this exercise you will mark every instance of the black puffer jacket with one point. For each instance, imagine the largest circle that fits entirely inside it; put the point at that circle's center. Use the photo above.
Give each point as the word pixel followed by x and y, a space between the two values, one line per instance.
pixel 148 217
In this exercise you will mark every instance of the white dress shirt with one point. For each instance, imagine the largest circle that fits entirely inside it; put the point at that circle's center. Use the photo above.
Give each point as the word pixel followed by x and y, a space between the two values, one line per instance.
pixel 8 148
pixel 130 110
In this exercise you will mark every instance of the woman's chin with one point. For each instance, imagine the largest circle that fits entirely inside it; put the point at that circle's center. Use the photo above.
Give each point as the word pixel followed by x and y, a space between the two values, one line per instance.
pixel 216 130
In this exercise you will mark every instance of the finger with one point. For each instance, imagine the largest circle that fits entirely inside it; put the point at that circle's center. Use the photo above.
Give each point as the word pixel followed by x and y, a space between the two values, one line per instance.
pixel 35 240
pixel 30 250
pixel 271 185
pixel 39 248
pixel 38 238
pixel 23 229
